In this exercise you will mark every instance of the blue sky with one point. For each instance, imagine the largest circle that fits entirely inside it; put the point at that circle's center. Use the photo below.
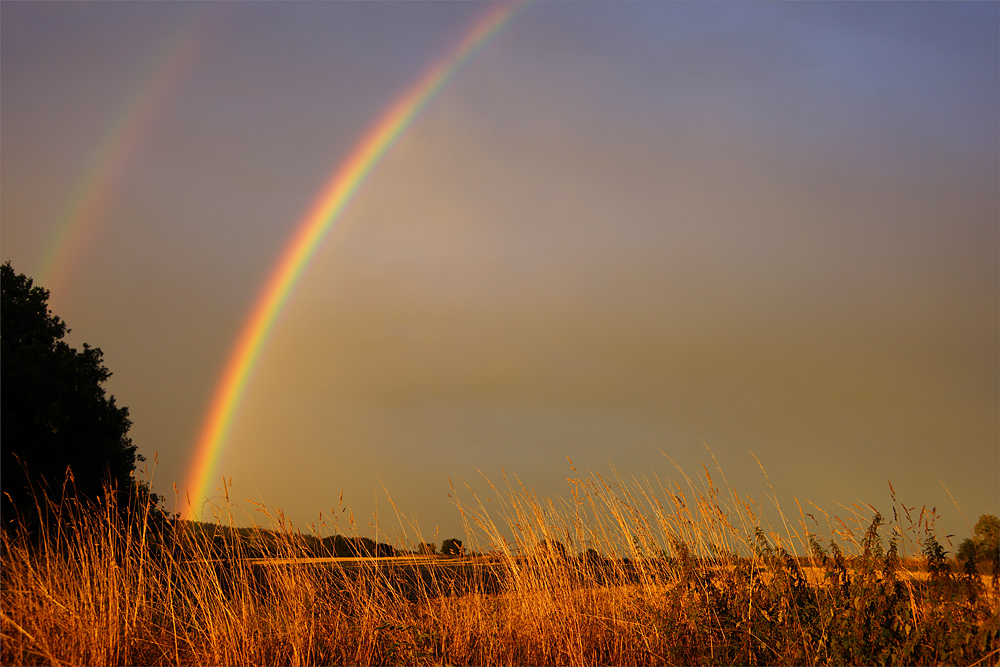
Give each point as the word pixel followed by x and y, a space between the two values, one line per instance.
pixel 619 231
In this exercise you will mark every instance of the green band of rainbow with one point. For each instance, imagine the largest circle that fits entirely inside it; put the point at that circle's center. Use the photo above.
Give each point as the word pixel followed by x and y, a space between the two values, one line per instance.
pixel 309 234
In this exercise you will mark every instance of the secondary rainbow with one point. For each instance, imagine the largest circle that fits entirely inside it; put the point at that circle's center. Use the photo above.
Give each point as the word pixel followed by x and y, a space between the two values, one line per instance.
pixel 90 198
pixel 309 234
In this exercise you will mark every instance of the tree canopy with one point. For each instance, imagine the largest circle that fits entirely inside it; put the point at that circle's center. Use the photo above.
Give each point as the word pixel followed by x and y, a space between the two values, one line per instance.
pixel 452 547
pixel 987 530
pixel 985 543
pixel 56 418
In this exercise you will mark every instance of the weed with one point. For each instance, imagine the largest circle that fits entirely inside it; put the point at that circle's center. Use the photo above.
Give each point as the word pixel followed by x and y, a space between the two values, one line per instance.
pixel 626 573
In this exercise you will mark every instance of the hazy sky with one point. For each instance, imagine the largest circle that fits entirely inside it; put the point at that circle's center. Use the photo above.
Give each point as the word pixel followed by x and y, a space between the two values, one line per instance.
pixel 619 231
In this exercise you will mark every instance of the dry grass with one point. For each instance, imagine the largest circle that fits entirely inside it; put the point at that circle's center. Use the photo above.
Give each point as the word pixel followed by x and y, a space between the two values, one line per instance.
pixel 679 573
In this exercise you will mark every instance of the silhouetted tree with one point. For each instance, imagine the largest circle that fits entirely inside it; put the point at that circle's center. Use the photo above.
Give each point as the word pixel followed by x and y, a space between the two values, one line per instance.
pixel 984 547
pixel 384 550
pixel 336 545
pixel 55 416
pixel 452 547
pixel 987 533
pixel 350 547
pixel 363 546
pixel 967 551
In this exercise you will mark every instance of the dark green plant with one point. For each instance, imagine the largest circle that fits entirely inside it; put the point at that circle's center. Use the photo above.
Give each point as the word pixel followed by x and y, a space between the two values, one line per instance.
pixel 937 559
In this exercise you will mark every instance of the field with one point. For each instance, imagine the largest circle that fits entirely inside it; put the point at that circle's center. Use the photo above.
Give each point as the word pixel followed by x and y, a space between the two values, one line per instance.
pixel 621 572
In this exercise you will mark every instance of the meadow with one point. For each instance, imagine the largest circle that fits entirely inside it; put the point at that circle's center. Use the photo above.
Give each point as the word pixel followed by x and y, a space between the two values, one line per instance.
pixel 621 571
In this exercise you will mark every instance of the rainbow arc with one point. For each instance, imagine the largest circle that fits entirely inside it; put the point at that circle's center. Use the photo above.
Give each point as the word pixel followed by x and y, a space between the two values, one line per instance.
pixel 94 191
pixel 309 235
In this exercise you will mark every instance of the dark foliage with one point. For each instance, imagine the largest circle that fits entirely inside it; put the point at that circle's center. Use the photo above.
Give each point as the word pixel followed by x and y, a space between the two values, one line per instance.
pixel 350 547
pixel 452 547
pixel 764 610
pixel 61 433
pixel 553 548
pixel 982 552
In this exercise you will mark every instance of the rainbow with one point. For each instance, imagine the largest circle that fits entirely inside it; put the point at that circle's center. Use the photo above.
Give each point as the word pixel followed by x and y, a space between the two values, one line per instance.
pixel 309 234
pixel 78 219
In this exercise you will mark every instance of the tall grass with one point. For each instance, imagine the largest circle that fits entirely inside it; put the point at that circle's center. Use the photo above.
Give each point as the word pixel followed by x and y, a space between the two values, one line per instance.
pixel 621 571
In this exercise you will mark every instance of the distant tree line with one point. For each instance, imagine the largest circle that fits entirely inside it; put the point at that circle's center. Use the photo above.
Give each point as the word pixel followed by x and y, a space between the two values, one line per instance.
pixel 352 547
pixel 348 547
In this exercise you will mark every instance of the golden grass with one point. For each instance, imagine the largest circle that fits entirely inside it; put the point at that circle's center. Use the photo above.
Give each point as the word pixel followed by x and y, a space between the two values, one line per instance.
pixel 680 573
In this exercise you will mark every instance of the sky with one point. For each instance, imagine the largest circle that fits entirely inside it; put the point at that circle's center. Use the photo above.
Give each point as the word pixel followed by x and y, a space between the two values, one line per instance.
pixel 624 234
